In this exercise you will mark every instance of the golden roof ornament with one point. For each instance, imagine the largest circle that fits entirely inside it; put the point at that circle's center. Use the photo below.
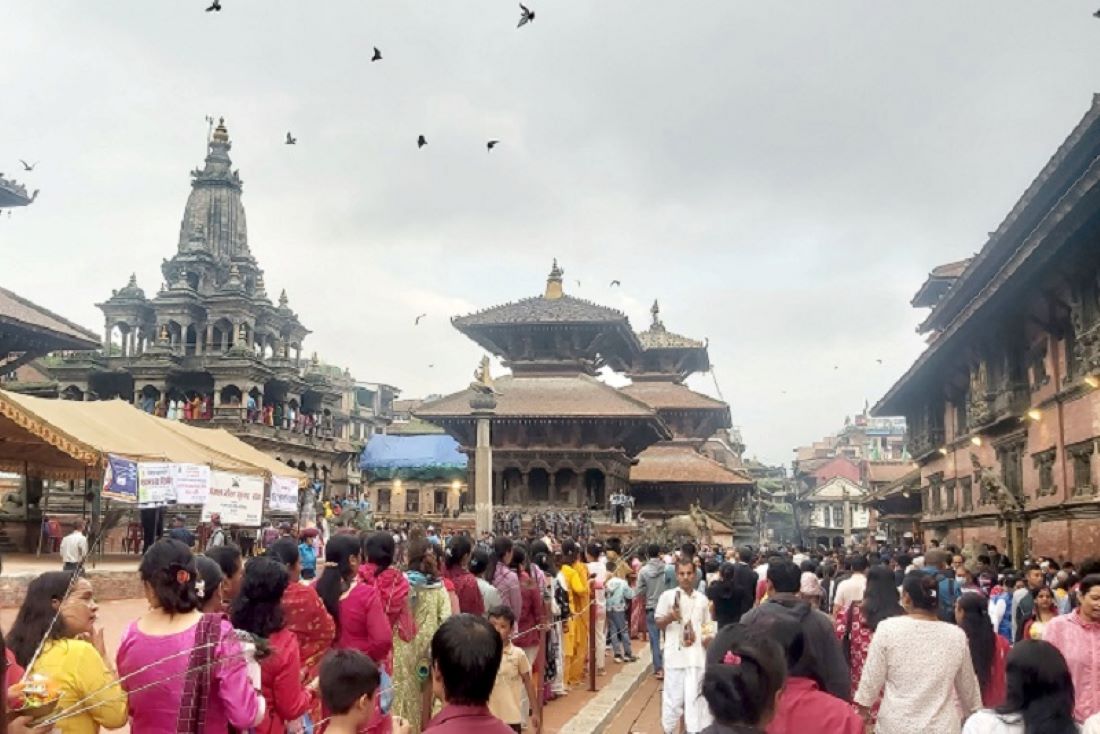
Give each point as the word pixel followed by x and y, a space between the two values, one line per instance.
pixel 220 132
pixel 483 378
pixel 553 282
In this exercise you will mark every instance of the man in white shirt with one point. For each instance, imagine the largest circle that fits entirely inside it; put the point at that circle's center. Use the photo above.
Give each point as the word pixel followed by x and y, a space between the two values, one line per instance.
pixel 851 589
pixel 74 547
pixel 684 615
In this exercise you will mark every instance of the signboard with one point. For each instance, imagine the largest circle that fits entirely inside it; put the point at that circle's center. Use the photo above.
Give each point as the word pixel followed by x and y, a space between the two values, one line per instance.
pixel 284 495
pixel 154 484
pixel 120 479
pixel 237 498
pixel 191 483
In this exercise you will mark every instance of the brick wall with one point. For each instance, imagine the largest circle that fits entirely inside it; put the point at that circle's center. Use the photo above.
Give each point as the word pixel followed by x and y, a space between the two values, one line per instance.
pixel 109 585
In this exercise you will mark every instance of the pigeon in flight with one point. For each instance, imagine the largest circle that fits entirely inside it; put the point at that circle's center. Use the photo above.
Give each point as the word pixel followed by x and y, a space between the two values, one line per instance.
pixel 291 140
pixel 879 361
pixel 28 166
pixel 215 6
pixel 421 141
pixel 377 55
pixel 1096 14
pixel 526 15
pixel 421 316
pixel 614 283
pixel 492 144
pixel 578 284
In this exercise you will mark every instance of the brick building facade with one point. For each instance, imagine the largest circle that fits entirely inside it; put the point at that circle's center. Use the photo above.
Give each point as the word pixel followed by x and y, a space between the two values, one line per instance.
pixel 1002 407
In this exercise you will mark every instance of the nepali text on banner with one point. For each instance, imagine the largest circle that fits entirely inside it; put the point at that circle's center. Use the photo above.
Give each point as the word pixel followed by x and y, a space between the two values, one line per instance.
pixel 155 484
pixel 284 495
pixel 237 498
pixel 191 483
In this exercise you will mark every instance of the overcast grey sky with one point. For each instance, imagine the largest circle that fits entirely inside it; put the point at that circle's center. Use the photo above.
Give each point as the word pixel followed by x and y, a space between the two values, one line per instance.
pixel 781 174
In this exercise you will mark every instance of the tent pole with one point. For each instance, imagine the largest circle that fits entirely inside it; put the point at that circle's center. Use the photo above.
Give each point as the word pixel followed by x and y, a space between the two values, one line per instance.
pixel 97 519
pixel 27 506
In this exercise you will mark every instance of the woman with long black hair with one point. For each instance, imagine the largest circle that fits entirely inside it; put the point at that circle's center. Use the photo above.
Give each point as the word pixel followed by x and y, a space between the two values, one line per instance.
pixel 722 594
pixel 920 665
pixel 856 623
pixel 988 650
pixel 1039 695
pixel 456 560
pixel 258 610
pixel 59 613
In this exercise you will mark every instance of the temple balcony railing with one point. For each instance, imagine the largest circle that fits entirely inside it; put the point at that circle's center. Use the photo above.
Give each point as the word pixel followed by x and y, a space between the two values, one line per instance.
pixel 924 441
pixel 1007 402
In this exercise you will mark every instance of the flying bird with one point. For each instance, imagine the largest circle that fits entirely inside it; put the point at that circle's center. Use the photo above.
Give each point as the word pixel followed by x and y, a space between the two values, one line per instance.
pixel 377 55
pixel 28 166
pixel 526 15
pixel 879 361
pixel 421 316
pixel 836 366
pixel 421 141
pixel 578 284
pixel 614 283
pixel 291 140
pixel 492 144
pixel 431 366
pixel 1096 14
pixel 215 6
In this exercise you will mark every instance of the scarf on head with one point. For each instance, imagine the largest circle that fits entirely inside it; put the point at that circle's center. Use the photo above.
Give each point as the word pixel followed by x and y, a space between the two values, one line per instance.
pixel 393 589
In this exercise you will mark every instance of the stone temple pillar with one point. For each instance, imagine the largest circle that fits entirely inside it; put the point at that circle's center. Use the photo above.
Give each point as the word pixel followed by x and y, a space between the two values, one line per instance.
pixel 484 406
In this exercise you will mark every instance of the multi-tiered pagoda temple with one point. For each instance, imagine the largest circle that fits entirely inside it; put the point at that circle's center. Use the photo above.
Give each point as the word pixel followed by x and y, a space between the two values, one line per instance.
pixel 560 436
pixel 683 470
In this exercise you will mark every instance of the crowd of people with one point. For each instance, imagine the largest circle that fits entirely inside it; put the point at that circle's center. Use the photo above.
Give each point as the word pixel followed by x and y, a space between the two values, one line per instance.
pixel 438 631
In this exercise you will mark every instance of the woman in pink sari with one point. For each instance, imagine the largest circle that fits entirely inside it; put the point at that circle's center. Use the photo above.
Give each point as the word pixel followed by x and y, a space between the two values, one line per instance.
pixel 184 671
pixel 637 605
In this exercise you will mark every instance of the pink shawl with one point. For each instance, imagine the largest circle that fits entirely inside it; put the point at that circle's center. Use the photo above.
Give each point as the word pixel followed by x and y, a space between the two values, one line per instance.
pixel 393 589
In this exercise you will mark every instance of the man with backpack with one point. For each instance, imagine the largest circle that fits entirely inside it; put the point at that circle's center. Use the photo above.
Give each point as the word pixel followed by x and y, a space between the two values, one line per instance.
pixel 948 587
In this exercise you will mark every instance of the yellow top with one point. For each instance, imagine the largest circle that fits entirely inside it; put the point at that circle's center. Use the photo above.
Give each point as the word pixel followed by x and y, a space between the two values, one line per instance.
pixel 77 670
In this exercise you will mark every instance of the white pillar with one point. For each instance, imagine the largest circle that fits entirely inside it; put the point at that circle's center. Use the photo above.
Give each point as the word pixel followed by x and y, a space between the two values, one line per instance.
pixel 483 479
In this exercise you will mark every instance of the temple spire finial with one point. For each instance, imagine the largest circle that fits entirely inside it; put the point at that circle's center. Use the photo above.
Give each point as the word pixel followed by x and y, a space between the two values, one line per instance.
pixel 221 134
pixel 553 282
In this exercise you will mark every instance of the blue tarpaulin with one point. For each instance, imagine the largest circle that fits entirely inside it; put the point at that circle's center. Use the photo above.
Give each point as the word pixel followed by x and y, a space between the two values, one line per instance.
pixel 407 456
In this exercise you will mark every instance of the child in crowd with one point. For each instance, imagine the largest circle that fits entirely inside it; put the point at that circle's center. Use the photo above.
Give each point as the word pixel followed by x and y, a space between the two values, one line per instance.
pixel 618 594
pixel 349 683
pixel 513 675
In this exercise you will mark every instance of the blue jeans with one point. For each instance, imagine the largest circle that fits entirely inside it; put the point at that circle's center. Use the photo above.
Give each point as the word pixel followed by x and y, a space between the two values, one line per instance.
pixel 654 639
pixel 619 630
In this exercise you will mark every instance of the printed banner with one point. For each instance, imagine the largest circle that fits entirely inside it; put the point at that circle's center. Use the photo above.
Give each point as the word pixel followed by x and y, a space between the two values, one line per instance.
pixel 191 482
pixel 237 498
pixel 284 495
pixel 120 479
pixel 154 484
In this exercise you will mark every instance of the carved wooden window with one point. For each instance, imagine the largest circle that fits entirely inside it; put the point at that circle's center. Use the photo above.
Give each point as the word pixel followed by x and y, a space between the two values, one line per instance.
pixel 1011 456
pixel 412 500
pixel 1044 462
pixel 1081 456
pixel 983 491
pixel 936 491
pixel 838 516
pixel 383 500
pixel 949 495
pixel 962 423
pixel 1037 363
pixel 967 486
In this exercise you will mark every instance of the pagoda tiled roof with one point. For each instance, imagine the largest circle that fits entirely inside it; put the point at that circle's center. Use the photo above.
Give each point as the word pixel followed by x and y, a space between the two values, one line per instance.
pixel 541 310
pixel 887 471
pixel 657 337
pixel 671 396
pixel 19 311
pixel 545 396
pixel 682 464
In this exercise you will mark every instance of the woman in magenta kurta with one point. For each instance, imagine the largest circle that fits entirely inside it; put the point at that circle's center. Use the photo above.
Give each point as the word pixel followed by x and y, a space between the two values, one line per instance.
pixel 193 671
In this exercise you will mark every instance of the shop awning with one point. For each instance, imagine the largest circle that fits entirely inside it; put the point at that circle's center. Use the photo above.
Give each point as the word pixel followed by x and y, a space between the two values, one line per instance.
pixel 68 439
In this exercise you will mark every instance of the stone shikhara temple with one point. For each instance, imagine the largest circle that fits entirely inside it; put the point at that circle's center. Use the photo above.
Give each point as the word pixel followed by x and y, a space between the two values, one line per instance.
pixel 563 437
pixel 212 348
